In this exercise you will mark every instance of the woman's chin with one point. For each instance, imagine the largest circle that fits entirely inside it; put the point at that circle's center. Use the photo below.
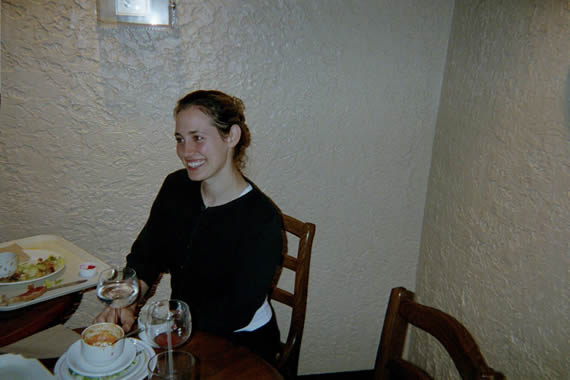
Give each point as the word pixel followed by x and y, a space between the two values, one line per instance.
pixel 195 175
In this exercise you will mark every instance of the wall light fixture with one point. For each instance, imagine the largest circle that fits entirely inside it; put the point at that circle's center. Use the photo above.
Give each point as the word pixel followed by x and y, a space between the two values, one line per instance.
pixel 143 12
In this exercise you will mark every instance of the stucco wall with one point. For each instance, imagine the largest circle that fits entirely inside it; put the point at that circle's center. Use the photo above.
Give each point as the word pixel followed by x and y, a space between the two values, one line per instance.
pixel 494 250
pixel 341 100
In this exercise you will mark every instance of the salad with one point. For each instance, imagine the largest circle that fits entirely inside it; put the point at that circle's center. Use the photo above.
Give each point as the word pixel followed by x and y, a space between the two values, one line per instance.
pixel 35 269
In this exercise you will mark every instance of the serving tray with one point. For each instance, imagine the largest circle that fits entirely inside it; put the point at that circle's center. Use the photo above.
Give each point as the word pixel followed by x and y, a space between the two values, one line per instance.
pixel 73 257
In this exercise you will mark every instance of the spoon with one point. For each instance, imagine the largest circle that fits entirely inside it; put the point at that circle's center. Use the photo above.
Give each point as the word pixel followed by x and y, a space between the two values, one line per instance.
pixel 131 333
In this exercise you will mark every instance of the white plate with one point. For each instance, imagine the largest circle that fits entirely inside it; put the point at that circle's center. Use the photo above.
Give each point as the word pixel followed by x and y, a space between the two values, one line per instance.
pixel 79 365
pixel 36 254
pixel 17 367
pixel 137 370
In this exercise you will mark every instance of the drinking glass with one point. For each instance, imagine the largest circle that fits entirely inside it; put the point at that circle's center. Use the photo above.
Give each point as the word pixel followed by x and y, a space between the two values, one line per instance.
pixel 173 365
pixel 118 287
pixel 168 323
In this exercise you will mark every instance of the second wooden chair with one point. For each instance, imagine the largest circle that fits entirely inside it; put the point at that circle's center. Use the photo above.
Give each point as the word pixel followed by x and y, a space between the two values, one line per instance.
pixel 455 338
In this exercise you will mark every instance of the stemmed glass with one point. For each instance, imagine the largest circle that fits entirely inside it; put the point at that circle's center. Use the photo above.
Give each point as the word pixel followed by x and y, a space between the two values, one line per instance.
pixel 168 323
pixel 118 287
pixel 173 365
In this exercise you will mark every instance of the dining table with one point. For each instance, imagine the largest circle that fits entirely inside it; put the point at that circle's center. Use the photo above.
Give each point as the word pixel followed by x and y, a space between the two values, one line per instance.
pixel 23 313
pixel 218 359
pixel 20 323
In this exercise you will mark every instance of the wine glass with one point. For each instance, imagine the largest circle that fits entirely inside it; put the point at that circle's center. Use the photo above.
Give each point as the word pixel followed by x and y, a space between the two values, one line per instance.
pixel 168 323
pixel 118 288
pixel 173 365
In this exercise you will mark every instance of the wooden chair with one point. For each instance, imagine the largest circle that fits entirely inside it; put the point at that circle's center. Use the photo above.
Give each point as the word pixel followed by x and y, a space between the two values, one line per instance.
pixel 287 360
pixel 403 310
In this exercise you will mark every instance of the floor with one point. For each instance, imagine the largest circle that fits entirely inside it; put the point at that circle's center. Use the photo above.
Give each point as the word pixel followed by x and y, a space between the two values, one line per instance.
pixel 355 375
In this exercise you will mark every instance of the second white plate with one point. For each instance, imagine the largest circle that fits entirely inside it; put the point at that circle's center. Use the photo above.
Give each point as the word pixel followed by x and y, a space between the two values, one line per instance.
pixel 137 370
pixel 76 362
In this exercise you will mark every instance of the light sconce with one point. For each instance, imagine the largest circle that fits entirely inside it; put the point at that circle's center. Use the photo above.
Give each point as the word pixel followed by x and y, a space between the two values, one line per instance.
pixel 143 12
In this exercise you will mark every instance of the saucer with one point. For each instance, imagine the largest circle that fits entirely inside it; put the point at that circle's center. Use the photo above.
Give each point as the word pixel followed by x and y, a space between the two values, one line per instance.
pixel 76 362
pixel 137 370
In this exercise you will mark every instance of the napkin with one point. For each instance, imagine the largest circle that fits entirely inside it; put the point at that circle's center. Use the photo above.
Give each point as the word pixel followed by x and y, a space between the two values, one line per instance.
pixel 18 367
pixel 50 343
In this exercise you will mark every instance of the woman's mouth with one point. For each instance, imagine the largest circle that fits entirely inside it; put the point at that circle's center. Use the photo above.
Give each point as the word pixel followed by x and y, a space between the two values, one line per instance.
pixel 195 163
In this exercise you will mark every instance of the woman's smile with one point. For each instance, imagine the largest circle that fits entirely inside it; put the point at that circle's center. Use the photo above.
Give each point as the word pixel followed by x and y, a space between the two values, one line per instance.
pixel 194 164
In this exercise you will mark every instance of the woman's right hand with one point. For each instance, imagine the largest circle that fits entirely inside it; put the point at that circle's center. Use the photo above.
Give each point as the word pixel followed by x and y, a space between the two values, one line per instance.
pixel 125 317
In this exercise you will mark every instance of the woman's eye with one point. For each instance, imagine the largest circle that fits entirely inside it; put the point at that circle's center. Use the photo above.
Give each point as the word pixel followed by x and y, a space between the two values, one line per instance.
pixel 179 140
pixel 198 138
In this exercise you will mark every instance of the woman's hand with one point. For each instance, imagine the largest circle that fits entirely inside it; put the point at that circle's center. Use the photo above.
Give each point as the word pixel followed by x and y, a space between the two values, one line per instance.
pixel 125 317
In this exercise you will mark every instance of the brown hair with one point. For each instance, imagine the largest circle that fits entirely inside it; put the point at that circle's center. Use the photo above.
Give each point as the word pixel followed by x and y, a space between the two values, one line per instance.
pixel 225 111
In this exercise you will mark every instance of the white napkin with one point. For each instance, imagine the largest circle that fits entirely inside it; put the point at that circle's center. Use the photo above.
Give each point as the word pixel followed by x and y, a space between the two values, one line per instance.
pixel 18 367
pixel 50 343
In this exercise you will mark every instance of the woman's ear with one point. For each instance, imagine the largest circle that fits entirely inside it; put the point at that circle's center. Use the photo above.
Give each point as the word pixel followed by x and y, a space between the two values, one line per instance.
pixel 233 137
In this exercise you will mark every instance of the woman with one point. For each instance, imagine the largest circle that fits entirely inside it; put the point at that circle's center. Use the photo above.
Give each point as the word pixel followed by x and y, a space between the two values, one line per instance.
pixel 212 229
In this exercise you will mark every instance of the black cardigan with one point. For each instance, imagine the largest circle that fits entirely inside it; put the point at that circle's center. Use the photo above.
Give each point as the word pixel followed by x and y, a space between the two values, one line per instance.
pixel 221 259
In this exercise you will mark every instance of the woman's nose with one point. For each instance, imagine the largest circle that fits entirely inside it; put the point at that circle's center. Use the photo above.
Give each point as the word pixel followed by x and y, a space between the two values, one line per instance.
pixel 189 147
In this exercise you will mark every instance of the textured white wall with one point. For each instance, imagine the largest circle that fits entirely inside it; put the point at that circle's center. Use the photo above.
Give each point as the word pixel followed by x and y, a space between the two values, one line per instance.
pixel 341 99
pixel 495 237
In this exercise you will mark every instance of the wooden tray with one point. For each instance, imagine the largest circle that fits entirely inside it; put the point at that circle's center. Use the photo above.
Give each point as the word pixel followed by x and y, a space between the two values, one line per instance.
pixel 73 256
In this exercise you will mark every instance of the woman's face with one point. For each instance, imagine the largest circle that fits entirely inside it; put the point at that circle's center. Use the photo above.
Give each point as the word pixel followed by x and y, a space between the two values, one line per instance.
pixel 203 152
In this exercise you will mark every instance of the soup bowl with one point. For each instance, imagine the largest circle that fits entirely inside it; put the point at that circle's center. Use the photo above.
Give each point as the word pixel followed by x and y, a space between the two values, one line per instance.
pixel 101 343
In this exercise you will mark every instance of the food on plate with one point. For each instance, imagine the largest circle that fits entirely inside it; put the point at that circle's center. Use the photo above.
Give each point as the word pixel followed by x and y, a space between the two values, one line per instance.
pixel 101 338
pixel 35 269
pixel 31 294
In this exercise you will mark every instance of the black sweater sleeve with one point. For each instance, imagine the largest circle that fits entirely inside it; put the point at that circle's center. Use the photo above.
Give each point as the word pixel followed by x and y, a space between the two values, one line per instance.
pixel 148 252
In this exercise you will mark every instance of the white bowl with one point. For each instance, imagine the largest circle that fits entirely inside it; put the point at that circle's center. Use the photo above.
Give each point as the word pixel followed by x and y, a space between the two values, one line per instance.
pixel 96 349
pixel 8 264
pixel 87 270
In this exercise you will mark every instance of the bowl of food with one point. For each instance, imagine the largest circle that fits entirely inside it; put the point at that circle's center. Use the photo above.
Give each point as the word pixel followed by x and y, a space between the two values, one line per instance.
pixel 101 343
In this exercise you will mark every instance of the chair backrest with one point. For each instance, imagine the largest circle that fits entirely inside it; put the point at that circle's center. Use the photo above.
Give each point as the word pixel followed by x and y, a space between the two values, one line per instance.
pixel 455 338
pixel 288 358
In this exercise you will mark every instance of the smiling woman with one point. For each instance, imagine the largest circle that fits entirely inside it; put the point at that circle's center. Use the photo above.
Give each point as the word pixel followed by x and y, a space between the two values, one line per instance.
pixel 224 112
pixel 212 229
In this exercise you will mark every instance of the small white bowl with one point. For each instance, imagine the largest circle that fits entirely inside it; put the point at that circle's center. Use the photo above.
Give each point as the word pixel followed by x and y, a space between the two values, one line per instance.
pixel 87 270
pixel 8 264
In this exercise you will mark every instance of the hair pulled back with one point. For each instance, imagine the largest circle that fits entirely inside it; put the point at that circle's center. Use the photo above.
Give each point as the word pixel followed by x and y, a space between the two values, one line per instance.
pixel 225 111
